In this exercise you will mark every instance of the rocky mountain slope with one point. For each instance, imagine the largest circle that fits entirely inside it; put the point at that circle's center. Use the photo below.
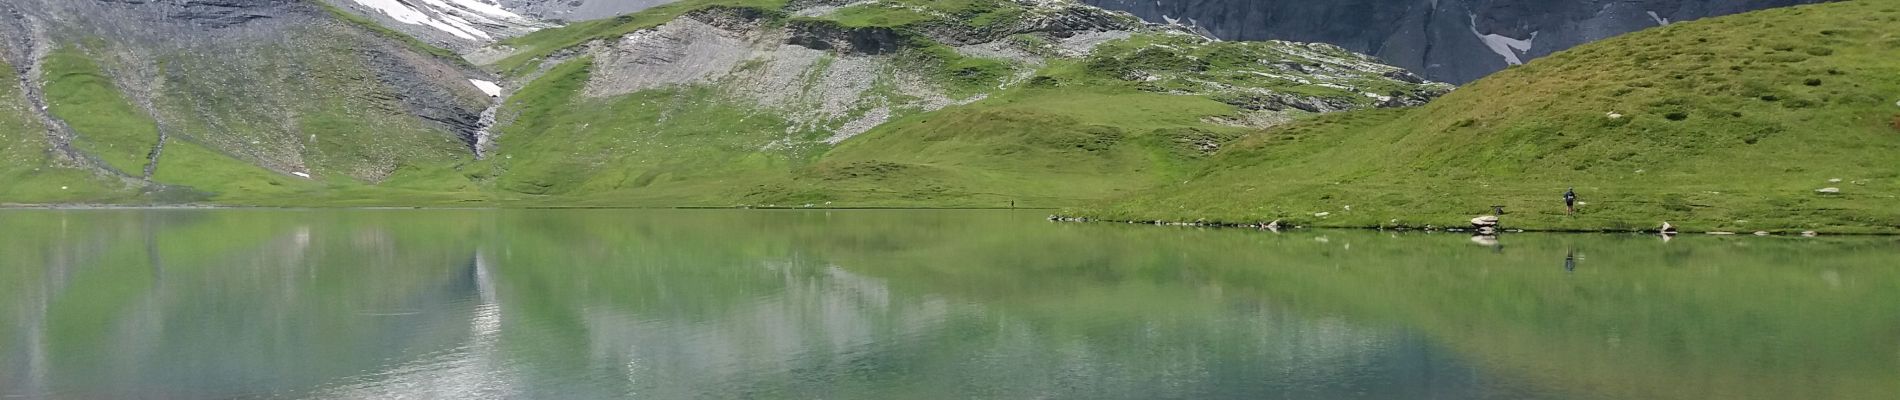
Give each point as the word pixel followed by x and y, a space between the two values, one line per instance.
pixel 1779 120
pixel 895 102
pixel 181 100
pixel 1448 40
pixel 702 102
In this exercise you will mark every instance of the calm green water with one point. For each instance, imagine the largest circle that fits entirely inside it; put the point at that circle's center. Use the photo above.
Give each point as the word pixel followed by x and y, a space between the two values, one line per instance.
pixel 917 304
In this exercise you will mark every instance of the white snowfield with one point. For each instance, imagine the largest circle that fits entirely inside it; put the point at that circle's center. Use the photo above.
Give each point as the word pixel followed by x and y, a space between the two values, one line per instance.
pixel 1659 19
pixel 455 17
pixel 492 89
pixel 1504 45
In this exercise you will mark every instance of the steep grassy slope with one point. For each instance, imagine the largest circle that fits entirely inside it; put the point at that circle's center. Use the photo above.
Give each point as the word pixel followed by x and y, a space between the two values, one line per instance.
pixel 230 103
pixel 1731 123
pixel 80 92
pixel 26 161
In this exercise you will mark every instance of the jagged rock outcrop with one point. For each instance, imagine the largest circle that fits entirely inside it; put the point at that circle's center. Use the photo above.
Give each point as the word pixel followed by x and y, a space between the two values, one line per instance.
pixel 1447 40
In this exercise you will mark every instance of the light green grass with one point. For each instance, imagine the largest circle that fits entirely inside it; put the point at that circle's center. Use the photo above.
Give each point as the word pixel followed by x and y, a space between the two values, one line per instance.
pixel 26 163
pixel 1035 147
pixel 1727 124
pixel 80 92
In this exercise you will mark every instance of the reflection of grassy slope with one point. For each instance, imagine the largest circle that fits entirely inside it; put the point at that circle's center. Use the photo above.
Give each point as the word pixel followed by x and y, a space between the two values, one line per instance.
pixel 1700 316
pixel 224 280
pixel 1728 124
pixel 1692 318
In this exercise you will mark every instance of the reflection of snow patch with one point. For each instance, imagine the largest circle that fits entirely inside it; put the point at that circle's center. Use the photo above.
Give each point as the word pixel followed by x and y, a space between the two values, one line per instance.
pixel 490 88
pixel 1505 46
pixel 1659 19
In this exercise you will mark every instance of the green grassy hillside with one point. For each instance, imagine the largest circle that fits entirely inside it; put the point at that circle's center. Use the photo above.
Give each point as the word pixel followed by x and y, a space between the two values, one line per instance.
pixel 1730 123
pixel 1013 119
pixel 316 112
pixel 26 159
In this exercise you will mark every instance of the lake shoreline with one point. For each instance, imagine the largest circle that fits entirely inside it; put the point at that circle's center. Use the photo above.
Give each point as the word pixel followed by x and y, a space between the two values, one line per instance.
pixel 1282 226
pixel 1777 231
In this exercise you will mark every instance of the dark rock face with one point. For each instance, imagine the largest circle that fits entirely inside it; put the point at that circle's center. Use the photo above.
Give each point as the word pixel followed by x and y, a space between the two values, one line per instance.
pixel 1447 40
pixel 212 13
pixel 854 41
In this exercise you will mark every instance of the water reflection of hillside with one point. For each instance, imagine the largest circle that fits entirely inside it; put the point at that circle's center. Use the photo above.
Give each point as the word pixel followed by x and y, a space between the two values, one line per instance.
pixel 876 304
pixel 196 305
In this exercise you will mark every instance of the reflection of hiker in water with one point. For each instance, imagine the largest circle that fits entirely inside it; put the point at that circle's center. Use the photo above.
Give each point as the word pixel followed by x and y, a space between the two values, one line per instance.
pixel 1570 261
pixel 1570 201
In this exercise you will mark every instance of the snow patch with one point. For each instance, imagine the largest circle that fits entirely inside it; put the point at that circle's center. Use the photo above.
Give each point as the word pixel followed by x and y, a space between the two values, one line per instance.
pixel 301 175
pixel 476 20
pixel 409 15
pixel 1659 19
pixel 1508 47
pixel 492 89
pixel 486 9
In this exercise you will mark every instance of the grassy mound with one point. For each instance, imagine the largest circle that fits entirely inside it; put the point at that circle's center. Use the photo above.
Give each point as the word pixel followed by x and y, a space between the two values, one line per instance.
pixel 1732 123
pixel 1028 148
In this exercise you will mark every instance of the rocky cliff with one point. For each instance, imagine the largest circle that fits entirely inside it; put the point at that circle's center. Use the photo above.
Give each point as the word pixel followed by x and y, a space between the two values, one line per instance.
pixel 1448 40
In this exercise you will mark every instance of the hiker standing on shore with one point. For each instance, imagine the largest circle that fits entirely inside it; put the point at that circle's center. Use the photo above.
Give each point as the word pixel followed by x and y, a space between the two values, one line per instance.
pixel 1570 201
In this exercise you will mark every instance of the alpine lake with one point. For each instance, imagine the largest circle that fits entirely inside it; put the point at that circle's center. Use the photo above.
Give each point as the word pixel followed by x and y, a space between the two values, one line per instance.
pixel 911 304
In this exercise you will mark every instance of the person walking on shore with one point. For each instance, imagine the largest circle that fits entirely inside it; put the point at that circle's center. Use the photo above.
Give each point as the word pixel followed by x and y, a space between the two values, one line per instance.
pixel 1570 201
